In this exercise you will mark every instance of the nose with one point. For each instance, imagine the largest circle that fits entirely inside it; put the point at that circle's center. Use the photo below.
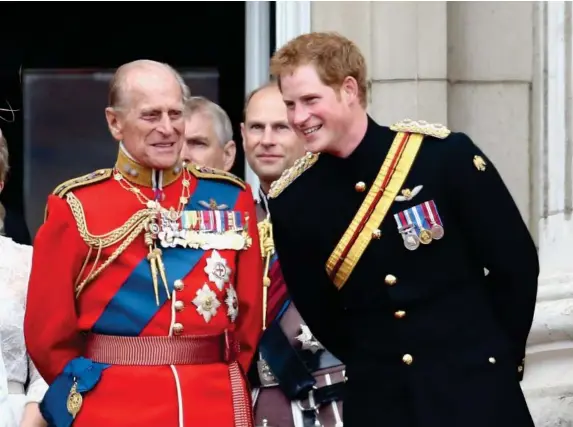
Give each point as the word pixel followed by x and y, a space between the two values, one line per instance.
pixel 299 115
pixel 165 126
pixel 186 154
pixel 267 136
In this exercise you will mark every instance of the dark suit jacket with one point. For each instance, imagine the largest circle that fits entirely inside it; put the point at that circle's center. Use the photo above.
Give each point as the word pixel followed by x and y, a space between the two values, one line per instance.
pixel 427 339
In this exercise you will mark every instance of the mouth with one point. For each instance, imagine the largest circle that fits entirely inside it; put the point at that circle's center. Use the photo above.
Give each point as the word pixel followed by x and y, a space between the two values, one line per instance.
pixel 269 156
pixel 163 144
pixel 310 131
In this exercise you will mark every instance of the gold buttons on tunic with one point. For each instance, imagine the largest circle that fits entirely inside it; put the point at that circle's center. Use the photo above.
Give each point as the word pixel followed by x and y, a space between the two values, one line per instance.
pixel 360 186
pixel 492 360
pixel 407 359
pixel 390 280
pixel 400 314
pixel 376 234
pixel 178 285
pixel 177 328
pixel 179 305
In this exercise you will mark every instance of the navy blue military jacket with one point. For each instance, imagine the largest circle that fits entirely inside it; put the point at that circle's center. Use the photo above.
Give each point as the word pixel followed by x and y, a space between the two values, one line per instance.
pixel 467 297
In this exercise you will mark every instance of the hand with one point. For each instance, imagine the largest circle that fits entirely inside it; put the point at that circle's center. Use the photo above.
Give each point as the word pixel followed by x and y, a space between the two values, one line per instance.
pixel 32 416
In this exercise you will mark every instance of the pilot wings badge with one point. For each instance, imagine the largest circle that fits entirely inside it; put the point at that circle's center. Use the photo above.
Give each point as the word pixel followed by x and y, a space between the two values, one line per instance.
pixel 213 205
pixel 408 194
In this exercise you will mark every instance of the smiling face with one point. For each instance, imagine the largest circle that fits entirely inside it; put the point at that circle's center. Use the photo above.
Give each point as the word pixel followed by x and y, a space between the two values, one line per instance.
pixel 270 144
pixel 317 112
pixel 151 123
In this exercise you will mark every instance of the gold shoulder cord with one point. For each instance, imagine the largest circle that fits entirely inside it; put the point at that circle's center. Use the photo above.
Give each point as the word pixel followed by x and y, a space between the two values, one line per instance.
pixel 289 175
pixel 267 251
pixel 128 232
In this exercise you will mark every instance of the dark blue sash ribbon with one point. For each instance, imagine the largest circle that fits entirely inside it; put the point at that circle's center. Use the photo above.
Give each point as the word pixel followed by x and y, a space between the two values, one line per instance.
pixel 54 405
pixel 134 305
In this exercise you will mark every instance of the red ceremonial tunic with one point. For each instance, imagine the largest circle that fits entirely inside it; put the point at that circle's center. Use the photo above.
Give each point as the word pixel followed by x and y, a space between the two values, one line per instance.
pixel 121 302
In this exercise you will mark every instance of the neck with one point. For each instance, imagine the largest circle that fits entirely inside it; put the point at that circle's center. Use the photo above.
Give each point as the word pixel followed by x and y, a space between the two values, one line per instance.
pixel 265 186
pixel 349 142
pixel 145 176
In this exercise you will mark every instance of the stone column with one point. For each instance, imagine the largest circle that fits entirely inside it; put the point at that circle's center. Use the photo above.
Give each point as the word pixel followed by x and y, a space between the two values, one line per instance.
pixel 292 20
pixel 405 45
pixel 548 382
pixel 257 40
pixel 490 74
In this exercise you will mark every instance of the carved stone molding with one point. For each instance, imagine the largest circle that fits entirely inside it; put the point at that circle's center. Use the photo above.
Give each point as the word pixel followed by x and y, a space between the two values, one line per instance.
pixel 548 382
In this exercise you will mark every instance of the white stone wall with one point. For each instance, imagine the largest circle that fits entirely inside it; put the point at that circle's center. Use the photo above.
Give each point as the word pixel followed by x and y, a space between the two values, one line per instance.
pixel 501 72
pixel 549 383
pixel 455 63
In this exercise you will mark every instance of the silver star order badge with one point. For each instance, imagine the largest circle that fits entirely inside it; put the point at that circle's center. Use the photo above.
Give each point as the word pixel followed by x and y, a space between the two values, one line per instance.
pixel 206 302
pixel 308 341
pixel 232 303
pixel 218 270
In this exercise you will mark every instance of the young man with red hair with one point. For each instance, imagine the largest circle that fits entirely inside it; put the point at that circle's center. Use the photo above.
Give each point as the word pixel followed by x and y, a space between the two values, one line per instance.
pixel 384 234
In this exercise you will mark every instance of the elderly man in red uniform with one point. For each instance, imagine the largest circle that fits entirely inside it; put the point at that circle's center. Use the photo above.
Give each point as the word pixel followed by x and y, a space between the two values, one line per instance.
pixel 145 293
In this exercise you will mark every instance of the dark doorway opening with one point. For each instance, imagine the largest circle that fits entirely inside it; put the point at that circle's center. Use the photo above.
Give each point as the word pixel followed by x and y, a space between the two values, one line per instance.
pixel 98 36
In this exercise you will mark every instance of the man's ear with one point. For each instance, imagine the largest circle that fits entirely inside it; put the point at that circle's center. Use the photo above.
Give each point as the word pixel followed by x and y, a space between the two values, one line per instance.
pixel 114 123
pixel 243 134
pixel 229 153
pixel 349 89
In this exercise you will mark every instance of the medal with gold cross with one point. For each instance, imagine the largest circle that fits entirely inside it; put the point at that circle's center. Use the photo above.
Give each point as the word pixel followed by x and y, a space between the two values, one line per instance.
pixel 421 224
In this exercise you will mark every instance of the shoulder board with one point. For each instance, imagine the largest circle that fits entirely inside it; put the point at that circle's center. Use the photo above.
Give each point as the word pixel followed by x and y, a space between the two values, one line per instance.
pixel 82 181
pixel 289 175
pixel 422 127
pixel 212 173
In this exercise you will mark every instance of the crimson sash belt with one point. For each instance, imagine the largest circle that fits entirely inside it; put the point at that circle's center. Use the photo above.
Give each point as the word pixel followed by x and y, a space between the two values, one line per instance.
pixel 155 351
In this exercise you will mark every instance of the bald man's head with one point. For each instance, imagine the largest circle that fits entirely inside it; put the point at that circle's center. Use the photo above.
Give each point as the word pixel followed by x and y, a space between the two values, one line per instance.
pixel 147 101
pixel 130 74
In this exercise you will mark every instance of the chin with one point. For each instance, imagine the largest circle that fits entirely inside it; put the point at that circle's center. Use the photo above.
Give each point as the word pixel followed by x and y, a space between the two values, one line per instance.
pixel 316 146
pixel 164 162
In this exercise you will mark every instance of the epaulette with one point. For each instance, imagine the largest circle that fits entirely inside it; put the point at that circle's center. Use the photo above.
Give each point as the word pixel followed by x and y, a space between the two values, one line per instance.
pixel 82 181
pixel 292 173
pixel 212 173
pixel 422 127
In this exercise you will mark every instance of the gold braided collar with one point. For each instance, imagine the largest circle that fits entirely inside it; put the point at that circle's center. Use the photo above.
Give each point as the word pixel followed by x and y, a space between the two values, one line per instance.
pixel 142 175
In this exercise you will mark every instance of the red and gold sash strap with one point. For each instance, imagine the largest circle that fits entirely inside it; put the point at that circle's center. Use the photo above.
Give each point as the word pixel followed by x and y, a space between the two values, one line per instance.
pixel 373 210
pixel 242 406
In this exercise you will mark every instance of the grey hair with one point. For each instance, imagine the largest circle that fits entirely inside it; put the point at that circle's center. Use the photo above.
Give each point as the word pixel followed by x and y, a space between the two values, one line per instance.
pixel 220 119
pixel 116 97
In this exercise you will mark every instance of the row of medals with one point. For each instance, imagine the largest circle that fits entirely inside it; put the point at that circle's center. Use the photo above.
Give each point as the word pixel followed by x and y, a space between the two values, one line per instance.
pixel 413 239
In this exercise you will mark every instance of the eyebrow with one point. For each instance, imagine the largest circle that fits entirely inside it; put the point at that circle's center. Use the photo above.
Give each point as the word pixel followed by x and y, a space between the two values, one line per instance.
pixel 149 110
pixel 273 123
pixel 201 138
